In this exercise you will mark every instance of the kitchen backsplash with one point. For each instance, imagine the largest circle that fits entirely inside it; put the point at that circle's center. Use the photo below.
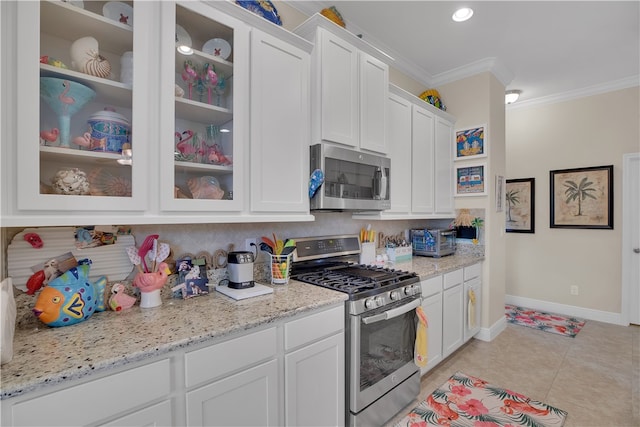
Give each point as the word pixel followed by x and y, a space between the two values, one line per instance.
pixel 195 238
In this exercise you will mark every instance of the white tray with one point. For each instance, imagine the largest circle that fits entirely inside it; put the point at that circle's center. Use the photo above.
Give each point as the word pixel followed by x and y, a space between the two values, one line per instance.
pixel 238 294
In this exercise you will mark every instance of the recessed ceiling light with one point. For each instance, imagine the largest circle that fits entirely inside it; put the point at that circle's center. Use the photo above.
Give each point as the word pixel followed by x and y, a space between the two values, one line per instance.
pixel 511 96
pixel 462 14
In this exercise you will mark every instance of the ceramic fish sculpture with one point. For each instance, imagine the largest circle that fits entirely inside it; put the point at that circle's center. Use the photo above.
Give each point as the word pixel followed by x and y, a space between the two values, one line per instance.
pixel 70 298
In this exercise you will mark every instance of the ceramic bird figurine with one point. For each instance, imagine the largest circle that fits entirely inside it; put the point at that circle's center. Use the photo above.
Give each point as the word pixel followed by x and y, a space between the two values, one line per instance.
pixel 50 135
pixel 119 299
pixel 83 141
pixel 210 79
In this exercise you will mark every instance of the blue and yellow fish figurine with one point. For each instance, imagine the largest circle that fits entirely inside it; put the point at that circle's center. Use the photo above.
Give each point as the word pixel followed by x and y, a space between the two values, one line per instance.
pixel 70 298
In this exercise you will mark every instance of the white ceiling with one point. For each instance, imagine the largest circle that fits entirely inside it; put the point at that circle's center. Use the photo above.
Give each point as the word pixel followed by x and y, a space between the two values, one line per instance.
pixel 548 49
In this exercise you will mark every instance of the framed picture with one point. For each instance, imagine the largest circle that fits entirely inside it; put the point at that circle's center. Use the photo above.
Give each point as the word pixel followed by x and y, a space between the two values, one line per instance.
pixel 520 196
pixel 582 198
pixel 471 180
pixel 471 143
pixel 499 191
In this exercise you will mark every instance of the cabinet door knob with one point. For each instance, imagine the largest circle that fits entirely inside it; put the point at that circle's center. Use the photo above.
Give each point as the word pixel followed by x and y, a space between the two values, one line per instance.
pixel 636 250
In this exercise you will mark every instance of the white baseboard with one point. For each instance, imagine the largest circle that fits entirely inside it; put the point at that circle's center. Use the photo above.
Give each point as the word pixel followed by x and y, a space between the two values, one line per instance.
pixel 488 334
pixel 567 310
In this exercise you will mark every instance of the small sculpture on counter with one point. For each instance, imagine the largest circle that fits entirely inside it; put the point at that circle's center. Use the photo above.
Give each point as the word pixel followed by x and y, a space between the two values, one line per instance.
pixel 151 277
pixel 35 282
pixel 119 299
pixel 70 298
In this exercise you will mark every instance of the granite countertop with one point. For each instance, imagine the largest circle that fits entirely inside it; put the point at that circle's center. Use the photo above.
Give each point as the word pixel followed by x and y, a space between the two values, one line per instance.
pixel 44 355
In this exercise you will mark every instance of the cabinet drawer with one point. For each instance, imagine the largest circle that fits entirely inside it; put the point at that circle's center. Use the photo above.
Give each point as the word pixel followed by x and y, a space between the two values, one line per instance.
pixel 96 400
pixel 453 278
pixel 310 328
pixel 431 286
pixel 472 271
pixel 219 359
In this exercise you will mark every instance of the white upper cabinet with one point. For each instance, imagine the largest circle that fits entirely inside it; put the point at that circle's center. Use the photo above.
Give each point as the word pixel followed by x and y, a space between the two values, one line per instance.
pixel 280 127
pixel 420 140
pixel 106 122
pixel 349 87
pixel 77 102
pixel 202 128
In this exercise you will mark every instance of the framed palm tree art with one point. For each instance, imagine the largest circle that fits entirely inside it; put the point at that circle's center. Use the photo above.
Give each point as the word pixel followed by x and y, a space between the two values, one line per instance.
pixel 520 203
pixel 582 198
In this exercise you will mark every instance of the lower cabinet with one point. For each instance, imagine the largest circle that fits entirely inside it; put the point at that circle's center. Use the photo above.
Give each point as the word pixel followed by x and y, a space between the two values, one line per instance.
pixel 452 312
pixel 453 306
pixel 248 398
pixel 295 368
pixel 154 415
pixel 432 307
pixel 127 398
pixel 314 384
pixel 472 300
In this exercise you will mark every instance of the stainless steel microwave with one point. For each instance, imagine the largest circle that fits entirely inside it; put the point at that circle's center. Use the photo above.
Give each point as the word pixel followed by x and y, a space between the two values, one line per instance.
pixel 353 180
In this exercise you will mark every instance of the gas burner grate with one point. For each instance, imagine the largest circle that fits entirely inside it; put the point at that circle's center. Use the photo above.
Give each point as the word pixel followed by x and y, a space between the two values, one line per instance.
pixel 354 279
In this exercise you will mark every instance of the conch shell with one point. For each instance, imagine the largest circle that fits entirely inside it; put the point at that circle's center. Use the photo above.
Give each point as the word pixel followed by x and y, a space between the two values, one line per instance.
pixel 70 181
pixel 97 65
pixel 205 187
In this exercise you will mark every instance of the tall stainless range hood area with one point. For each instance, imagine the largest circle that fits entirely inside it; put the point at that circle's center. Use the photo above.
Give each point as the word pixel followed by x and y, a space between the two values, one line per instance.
pixel 353 180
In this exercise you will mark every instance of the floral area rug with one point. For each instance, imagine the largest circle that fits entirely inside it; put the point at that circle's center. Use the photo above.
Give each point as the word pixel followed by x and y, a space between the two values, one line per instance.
pixel 466 401
pixel 555 323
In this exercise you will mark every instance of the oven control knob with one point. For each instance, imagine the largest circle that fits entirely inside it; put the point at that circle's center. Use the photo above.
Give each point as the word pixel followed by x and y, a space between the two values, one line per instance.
pixel 379 301
pixel 394 295
pixel 370 303
pixel 410 290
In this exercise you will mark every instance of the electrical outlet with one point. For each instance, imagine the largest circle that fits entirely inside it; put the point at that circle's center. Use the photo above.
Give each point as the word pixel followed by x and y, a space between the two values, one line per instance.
pixel 574 290
pixel 247 244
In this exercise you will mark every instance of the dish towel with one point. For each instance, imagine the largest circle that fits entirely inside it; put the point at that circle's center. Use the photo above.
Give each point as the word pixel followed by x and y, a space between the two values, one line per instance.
pixel 420 350
pixel 471 310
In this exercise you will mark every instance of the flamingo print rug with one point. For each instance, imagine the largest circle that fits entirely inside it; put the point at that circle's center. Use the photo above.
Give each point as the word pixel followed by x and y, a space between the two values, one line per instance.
pixel 548 322
pixel 466 401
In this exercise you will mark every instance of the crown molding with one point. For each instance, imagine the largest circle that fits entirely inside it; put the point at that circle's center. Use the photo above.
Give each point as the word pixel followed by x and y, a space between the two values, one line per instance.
pixel 491 65
pixel 627 82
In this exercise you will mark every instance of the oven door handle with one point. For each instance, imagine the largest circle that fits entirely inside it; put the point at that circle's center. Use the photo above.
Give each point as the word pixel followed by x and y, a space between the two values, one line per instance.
pixel 394 312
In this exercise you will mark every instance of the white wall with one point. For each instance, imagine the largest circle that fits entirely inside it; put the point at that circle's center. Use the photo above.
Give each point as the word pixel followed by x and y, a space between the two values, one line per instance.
pixel 591 131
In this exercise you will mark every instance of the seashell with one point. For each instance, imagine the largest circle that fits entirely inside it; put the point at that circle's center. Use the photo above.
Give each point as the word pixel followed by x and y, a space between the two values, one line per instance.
pixel 71 182
pixel 97 65
pixel 205 187
pixel 179 92
pixel 104 183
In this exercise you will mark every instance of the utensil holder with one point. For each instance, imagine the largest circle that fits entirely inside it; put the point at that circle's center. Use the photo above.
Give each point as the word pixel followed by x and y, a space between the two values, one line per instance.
pixel 280 269
pixel 368 253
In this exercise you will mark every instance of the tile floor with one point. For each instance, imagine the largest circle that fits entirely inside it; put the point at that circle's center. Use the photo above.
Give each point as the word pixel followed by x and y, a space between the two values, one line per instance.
pixel 595 376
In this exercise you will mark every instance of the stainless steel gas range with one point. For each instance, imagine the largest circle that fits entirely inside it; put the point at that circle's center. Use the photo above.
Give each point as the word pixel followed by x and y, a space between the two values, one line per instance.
pixel 382 377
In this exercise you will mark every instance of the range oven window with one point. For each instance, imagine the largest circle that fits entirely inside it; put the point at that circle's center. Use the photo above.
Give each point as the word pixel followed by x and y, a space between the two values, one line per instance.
pixel 385 347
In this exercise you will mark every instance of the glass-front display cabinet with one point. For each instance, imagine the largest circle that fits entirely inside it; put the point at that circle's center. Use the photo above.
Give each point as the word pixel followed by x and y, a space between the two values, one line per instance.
pixel 77 123
pixel 204 104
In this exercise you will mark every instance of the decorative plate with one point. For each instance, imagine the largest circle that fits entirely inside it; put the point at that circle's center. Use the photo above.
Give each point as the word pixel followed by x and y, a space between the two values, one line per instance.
pixel 182 37
pixel 118 11
pixel 217 47
pixel 264 8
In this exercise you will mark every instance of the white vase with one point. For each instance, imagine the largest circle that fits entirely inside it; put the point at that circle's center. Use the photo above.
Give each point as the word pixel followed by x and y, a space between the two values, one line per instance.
pixel 126 68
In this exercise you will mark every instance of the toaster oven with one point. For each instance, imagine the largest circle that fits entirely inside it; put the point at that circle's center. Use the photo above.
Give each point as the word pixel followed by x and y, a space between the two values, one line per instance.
pixel 433 243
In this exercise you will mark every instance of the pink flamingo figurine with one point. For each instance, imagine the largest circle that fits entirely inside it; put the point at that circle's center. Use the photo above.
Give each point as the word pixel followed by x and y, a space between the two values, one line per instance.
pixel 189 75
pixel 119 299
pixel 83 141
pixel 50 135
pixel 216 156
pixel 210 79
pixel 66 100
pixel 183 145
